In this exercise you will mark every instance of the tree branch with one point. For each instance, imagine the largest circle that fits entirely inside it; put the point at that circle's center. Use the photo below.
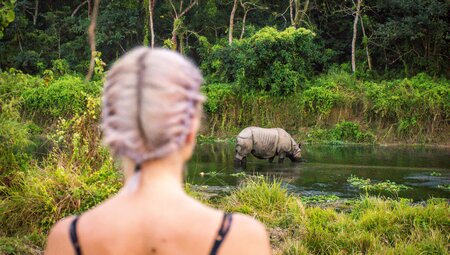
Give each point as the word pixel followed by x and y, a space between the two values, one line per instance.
pixel 78 8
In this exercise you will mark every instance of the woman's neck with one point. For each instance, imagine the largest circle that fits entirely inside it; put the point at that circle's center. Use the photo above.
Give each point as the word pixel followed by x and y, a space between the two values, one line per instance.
pixel 161 176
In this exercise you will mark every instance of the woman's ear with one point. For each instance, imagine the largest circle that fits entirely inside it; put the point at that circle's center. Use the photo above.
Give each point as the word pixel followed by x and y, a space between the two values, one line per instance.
pixel 190 138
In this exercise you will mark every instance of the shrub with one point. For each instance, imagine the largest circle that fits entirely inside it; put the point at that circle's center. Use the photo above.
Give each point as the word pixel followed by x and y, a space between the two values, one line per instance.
pixel 218 95
pixel 63 97
pixel 411 103
pixel 293 56
pixel 344 131
pixel 77 175
pixel 14 82
pixel 15 138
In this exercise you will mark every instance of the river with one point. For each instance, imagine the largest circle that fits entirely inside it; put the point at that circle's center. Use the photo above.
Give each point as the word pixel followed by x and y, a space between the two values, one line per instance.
pixel 426 170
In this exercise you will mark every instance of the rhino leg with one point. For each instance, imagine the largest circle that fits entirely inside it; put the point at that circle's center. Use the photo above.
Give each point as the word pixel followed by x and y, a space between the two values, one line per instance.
pixel 281 157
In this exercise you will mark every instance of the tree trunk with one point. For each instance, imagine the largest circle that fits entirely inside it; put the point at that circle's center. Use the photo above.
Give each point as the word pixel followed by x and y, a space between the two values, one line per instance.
pixel 297 13
pixel 36 9
pixel 181 43
pixel 91 33
pixel 174 35
pixel 305 9
pixel 230 35
pixel 243 24
pixel 291 12
pixel 355 30
pixel 177 21
pixel 366 45
pixel 151 8
pixel 90 8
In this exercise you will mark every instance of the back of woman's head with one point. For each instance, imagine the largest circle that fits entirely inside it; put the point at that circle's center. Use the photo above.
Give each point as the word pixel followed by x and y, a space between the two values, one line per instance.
pixel 150 99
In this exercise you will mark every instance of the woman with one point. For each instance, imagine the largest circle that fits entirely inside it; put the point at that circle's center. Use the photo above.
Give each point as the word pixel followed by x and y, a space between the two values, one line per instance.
pixel 151 114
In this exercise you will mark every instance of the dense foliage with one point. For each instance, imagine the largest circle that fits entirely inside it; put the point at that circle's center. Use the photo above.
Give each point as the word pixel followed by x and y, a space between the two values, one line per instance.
pixel 411 109
pixel 276 71
pixel 269 60
pixel 403 37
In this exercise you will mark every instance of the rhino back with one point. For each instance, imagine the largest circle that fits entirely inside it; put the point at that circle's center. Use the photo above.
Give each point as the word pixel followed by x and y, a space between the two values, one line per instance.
pixel 264 142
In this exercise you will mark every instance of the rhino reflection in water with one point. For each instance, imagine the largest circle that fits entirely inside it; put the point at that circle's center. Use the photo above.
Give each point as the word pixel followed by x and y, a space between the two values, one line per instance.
pixel 266 143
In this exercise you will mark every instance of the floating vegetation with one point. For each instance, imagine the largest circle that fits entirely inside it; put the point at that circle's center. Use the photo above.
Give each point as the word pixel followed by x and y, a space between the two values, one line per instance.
pixel 239 174
pixel 380 188
pixel 211 174
pixel 319 199
pixel 444 187
pixel 435 174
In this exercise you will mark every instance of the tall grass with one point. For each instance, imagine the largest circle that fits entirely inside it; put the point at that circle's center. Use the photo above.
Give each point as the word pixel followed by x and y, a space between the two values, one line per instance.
pixel 373 226
pixel 75 176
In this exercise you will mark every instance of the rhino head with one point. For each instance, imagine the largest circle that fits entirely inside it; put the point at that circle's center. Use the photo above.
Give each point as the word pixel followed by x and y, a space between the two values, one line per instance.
pixel 295 154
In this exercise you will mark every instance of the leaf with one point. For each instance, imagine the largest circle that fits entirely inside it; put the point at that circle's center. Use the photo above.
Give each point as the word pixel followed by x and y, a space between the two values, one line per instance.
pixel 10 16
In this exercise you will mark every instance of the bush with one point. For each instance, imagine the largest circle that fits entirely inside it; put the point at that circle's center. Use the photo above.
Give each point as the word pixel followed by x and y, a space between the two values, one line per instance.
pixel 344 131
pixel 14 82
pixel 77 175
pixel 218 95
pixel 15 138
pixel 412 103
pixel 63 97
pixel 293 56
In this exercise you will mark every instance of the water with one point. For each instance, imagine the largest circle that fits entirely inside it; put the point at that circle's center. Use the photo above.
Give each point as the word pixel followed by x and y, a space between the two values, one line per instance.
pixel 328 167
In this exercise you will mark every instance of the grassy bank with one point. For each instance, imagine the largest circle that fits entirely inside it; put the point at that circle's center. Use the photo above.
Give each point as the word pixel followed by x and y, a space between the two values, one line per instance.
pixel 369 225
pixel 52 162
pixel 339 107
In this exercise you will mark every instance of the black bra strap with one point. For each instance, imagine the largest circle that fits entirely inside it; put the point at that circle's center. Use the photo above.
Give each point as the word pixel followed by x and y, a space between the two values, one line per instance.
pixel 223 231
pixel 74 237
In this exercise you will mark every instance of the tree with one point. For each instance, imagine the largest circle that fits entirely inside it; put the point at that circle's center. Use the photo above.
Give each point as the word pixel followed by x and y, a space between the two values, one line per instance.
pixel 355 31
pixel 230 30
pixel 149 6
pixel 366 44
pixel 299 16
pixel 247 7
pixel 151 9
pixel 7 14
pixel 178 15
pixel 91 33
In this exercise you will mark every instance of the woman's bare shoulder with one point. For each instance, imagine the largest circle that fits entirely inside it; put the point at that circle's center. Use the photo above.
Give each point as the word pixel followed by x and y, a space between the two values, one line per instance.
pixel 248 236
pixel 58 239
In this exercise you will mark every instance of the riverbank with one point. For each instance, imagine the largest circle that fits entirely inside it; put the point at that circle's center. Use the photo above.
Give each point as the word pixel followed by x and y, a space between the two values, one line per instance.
pixel 53 164
pixel 369 225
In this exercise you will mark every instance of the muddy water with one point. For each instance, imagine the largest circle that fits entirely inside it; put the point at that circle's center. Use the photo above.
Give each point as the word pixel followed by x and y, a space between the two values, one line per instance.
pixel 423 169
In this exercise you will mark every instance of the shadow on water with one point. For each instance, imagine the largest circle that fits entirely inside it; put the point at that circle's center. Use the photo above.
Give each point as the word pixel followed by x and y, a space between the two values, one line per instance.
pixel 328 168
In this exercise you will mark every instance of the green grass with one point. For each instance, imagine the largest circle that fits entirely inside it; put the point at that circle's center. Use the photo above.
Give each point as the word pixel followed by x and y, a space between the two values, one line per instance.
pixel 78 173
pixel 374 225
pixel 371 225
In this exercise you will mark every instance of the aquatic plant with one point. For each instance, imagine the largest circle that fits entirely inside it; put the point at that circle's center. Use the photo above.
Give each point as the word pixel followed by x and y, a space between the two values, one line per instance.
pixel 384 187
pixel 239 174
pixel 319 199
pixel 444 187
pixel 436 174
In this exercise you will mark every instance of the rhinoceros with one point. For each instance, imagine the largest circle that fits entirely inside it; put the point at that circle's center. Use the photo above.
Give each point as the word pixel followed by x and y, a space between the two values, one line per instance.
pixel 266 143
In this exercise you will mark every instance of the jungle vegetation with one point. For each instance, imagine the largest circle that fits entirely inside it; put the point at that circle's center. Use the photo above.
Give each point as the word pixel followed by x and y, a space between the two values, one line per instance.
pixel 363 71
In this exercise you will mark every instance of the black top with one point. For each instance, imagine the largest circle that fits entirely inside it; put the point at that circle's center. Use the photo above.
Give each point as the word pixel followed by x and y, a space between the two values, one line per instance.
pixel 221 234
